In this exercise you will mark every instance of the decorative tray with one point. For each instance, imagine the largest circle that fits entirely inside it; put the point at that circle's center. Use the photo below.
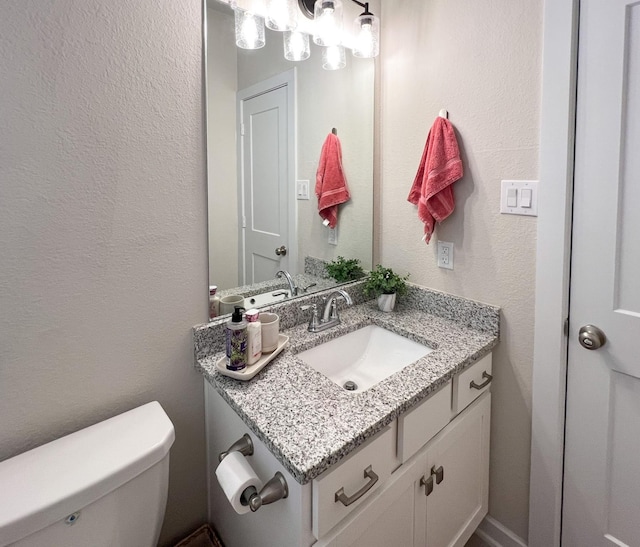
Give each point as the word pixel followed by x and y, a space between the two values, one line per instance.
pixel 251 370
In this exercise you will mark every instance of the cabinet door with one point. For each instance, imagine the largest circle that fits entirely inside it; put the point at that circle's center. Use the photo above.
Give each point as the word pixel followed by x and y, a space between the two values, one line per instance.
pixel 389 517
pixel 459 462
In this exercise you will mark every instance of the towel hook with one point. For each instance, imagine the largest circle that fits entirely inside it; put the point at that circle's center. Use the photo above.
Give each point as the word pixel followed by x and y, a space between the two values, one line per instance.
pixel 334 130
pixel 444 114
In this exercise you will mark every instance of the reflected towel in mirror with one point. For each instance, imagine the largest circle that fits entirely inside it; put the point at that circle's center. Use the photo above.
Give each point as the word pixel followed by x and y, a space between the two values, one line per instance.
pixel 331 183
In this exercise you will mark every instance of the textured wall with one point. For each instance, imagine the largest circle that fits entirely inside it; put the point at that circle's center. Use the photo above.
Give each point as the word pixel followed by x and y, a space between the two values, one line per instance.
pixel 481 61
pixel 102 230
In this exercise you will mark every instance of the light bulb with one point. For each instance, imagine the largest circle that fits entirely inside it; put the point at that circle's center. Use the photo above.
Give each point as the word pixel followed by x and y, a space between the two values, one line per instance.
pixel 328 22
pixel 367 36
pixel 296 46
pixel 282 15
pixel 333 58
pixel 249 30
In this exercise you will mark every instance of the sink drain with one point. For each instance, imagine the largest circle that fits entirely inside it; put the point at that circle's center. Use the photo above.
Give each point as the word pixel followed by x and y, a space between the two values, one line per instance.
pixel 350 386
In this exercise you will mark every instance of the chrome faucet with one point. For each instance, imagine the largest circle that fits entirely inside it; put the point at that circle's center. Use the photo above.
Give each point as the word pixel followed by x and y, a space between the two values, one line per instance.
pixel 292 286
pixel 330 316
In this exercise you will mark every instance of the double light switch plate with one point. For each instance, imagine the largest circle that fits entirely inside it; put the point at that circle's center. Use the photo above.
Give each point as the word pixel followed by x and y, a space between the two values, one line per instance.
pixel 519 197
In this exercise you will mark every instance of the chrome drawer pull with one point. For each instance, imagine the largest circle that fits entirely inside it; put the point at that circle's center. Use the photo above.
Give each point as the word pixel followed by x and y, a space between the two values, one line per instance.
pixel 483 384
pixel 348 500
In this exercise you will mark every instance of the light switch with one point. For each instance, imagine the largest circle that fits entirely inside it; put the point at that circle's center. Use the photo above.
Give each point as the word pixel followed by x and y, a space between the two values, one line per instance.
pixel 525 198
pixel 302 189
pixel 519 197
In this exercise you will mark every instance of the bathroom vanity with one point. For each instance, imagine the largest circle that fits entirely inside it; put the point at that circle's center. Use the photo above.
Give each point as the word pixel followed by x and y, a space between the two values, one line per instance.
pixel 404 462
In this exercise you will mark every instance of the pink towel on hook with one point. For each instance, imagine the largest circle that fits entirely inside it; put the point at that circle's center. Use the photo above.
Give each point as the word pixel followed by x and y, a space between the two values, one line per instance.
pixel 331 184
pixel 439 168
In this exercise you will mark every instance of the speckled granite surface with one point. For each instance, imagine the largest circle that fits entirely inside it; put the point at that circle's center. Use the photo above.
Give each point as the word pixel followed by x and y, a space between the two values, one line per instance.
pixel 308 422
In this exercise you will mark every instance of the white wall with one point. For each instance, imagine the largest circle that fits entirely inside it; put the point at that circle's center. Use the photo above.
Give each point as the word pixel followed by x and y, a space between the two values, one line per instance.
pixel 222 86
pixel 102 224
pixel 482 62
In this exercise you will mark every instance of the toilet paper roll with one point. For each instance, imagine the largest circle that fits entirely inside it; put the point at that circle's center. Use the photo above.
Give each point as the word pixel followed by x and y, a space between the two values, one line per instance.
pixel 234 475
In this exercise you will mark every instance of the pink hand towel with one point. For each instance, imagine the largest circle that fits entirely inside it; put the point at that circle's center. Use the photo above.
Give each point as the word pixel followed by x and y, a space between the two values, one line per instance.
pixel 439 168
pixel 331 184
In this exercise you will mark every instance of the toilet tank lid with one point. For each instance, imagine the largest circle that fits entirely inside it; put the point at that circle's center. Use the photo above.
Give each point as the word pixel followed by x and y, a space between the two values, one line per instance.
pixel 46 484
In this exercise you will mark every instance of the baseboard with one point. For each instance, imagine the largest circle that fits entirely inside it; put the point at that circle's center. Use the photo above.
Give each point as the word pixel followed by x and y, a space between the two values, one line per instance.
pixel 497 535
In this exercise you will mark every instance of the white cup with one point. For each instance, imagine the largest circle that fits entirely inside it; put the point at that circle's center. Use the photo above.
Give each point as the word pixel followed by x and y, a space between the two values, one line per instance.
pixel 229 303
pixel 270 331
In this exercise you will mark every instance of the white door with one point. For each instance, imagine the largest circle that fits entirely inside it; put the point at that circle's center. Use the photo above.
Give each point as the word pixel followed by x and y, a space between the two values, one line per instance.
pixel 267 226
pixel 601 504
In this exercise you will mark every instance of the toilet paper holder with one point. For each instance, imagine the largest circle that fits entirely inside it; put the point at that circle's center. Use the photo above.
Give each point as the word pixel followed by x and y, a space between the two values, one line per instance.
pixel 275 489
pixel 244 445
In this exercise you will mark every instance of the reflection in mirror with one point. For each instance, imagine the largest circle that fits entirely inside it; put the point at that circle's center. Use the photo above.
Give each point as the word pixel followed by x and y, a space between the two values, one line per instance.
pixel 267 120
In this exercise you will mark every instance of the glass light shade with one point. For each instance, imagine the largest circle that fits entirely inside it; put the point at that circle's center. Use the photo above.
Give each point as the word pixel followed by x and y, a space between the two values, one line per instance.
pixel 327 22
pixel 333 58
pixel 366 29
pixel 296 46
pixel 282 15
pixel 249 30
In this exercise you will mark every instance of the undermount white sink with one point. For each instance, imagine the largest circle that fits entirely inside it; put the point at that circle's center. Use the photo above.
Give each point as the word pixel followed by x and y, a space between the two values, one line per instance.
pixel 365 357
pixel 266 298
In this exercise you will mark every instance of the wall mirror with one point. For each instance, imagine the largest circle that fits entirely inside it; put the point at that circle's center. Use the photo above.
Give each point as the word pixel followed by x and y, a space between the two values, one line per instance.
pixel 267 119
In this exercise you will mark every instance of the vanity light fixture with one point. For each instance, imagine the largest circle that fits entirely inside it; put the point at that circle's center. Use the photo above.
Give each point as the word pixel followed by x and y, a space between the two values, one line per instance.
pixel 328 22
pixel 366 29
pixel 251 17
pixel 249 29
pixel 296 45
pixel 282 15
pixel 333 57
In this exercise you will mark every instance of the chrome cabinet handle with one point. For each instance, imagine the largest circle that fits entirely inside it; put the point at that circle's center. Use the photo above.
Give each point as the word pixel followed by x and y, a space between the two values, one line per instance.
pixel 591 337
pixel 281 251
pixel 348 500
pixel 439 473
pixel 483 384
pixel 427 483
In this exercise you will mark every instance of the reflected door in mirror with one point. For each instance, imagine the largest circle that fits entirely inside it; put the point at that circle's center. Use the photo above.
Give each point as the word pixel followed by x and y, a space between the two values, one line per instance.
pixel 265 181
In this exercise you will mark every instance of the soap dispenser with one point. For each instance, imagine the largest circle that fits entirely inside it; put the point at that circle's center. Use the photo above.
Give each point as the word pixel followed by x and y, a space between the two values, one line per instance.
pixel 236 339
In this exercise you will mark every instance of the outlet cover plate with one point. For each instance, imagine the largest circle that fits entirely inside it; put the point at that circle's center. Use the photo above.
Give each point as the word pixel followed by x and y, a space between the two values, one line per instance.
pixel 445 255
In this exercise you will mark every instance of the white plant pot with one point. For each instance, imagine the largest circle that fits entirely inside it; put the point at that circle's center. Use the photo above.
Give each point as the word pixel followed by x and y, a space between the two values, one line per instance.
pixel 386 302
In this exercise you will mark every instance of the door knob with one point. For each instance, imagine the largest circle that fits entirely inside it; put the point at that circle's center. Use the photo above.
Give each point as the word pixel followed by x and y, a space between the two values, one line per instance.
pixel 591 337
pixel 281 251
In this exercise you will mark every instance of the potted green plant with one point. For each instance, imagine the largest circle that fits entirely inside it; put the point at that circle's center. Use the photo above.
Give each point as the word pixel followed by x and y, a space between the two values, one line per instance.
pixel 385 284
pixel 344 269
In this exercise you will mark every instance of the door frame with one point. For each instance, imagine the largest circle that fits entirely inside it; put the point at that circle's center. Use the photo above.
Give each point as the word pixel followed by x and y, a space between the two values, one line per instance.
pixel 284 79
pixel 553 258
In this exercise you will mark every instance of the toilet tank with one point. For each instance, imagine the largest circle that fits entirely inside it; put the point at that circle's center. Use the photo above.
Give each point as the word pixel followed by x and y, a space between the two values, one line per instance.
pixel 103 485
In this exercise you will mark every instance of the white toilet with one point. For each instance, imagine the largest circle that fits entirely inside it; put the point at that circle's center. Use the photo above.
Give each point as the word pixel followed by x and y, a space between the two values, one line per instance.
pixel 105 485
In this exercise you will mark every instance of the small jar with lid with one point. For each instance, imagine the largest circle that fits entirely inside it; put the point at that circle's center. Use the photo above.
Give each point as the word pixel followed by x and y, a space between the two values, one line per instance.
pixel 254 336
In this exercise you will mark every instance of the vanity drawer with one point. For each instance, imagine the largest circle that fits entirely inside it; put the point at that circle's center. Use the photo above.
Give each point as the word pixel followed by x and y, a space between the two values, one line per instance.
pixel 417 426
pixel 470 384
pixel 353 481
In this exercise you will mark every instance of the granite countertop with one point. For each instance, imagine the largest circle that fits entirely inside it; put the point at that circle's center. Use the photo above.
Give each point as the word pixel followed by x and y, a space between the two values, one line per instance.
pixel 309 423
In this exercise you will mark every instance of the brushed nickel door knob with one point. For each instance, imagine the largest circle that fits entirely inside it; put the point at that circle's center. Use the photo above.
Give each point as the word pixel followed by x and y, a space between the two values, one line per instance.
pixel 591 337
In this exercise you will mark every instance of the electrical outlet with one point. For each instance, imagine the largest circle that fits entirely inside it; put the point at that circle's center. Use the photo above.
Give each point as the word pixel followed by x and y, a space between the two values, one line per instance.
pixel 333 236
pixel 445 255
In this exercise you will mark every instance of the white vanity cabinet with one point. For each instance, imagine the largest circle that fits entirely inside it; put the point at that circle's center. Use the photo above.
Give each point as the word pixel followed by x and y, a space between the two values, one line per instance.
pixel 432 469
pixel 436 499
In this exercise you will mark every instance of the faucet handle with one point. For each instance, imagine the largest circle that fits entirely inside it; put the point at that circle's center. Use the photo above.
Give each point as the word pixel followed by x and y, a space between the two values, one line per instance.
pixel 313 321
